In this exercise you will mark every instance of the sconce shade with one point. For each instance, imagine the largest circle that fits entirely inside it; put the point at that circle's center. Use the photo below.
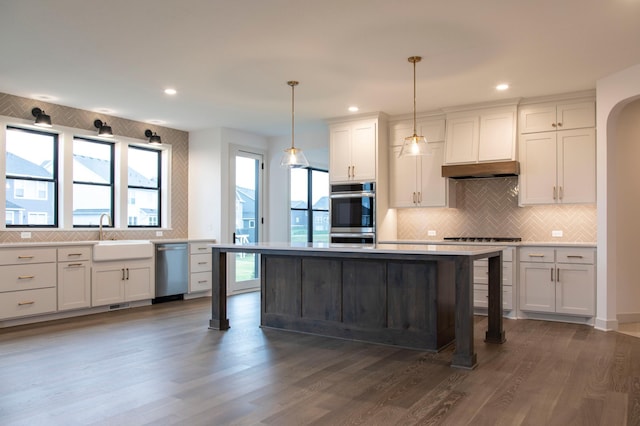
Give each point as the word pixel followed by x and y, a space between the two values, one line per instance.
pixel 415 144
pixel 293 157
pixel 103 129
pixel 154 139
pixel 42 119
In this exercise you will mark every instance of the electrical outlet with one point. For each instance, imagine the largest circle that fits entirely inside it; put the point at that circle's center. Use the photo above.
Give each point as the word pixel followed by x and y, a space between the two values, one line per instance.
pixel 158 233
pixel 431 233
pixel 25 235
pixel 556 233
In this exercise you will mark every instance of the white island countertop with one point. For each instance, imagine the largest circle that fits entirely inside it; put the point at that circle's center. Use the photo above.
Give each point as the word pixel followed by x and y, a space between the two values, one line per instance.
pixel 413 249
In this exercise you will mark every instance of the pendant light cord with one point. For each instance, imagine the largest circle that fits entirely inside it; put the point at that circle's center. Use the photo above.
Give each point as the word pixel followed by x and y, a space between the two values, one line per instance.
pixel 293 84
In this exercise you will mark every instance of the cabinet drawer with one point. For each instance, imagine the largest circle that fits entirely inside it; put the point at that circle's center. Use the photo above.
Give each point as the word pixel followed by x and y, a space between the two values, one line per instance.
pixel 200 262
pixel 27 302
pixel 481 297
pixel 70 254
pixel 575 255
pixel 200 281
pixel 481 272
pixel 198 248
pixel 19 256
pixel 537 254
pixel 26 277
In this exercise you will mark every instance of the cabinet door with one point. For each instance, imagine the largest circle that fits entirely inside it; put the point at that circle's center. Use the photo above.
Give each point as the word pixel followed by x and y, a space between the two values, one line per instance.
pixel 74 285
pixel 537 287
pixel 576 115
pixel 577 166
pixel 575 289
pixel 107 285
pixel 138 284
pixel 432 187
pixel 340 153
pixel 462 140
pixel 497 137
pixel 363 151
pixel 402 179
pixel 538 168
pixel 432 130
pixel 539 118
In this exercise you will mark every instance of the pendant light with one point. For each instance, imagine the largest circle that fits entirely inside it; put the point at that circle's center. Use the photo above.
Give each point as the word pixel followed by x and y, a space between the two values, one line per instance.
pixel 414 145
pixel 293 157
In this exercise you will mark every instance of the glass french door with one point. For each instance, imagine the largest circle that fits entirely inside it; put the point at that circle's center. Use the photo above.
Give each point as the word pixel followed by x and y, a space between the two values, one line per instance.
pixel 246 217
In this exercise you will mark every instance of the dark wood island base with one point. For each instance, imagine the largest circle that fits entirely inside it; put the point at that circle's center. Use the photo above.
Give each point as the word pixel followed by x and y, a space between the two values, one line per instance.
pixel 404 296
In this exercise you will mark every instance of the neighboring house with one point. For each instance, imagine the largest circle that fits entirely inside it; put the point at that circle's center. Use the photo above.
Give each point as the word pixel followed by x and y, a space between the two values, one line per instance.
pixel 27 201
pixel 246 213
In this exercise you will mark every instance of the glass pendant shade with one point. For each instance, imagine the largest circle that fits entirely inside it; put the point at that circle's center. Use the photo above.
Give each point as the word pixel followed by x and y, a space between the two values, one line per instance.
pixel 293 157
pixel 415 145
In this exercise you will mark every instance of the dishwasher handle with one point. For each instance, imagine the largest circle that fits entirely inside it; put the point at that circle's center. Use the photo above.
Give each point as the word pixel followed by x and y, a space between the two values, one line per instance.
pixel 169 248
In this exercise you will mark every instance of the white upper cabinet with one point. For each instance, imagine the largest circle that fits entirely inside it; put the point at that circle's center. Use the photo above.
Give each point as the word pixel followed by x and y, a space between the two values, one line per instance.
pixel 557 149
pixel 560 116
pixel 481 136
pixel 417 181
pixel 353 151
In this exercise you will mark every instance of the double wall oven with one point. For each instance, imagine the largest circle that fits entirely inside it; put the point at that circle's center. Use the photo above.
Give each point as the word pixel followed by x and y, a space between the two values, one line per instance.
pixel 353 212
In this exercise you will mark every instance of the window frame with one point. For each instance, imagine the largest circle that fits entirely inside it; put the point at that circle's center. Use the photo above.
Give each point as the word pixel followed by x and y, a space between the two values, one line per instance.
pixel 111 184
pixel 158 188
pixel 55 177
pixel 309 209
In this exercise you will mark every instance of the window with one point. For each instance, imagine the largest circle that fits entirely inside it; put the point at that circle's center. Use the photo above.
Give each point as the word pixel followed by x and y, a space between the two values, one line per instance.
pixel 31 178
pixel 144 196
pixel 309 194
pixel 92 181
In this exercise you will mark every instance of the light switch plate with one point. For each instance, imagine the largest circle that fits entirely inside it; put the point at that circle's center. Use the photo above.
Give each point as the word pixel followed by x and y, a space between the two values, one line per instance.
pixel 25 235
pixel 431 233
pixel 158 233
pixel 556 233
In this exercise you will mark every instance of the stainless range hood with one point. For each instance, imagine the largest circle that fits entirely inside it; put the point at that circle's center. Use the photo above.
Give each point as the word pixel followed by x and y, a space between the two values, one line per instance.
pixel 481 170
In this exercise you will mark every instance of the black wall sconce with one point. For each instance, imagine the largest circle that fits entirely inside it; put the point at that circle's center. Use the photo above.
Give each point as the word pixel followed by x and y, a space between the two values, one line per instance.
pixel 154 139
pixel 42 119
pixel 103 129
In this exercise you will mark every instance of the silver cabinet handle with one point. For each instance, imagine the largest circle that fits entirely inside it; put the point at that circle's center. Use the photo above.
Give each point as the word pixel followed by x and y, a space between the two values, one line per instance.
pixel 202 263
pixel 202 281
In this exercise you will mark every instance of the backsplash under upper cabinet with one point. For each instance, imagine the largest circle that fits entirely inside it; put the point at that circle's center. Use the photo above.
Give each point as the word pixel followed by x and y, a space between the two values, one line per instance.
pixel 489 207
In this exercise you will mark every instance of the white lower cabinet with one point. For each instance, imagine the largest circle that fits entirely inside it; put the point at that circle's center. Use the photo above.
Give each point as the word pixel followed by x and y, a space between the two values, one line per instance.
pixel 200 267
pixel 481 281
pixel 116 282
pixel 557 280
pixel 27 282
pixel 74 278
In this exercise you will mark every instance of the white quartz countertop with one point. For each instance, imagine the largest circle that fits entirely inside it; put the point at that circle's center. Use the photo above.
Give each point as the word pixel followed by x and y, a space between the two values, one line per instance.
pixel 494 243
pixel 93 242
pixel 380 248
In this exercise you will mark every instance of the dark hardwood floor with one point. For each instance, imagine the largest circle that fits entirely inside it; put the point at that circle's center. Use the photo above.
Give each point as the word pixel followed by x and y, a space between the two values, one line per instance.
pixel 160 365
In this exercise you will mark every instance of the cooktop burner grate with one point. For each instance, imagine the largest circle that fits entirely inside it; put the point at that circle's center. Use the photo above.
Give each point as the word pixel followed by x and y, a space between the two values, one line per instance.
pixel 485 239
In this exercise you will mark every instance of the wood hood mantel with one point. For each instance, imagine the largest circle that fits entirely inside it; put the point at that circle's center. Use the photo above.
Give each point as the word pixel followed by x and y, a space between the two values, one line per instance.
pixel 481 170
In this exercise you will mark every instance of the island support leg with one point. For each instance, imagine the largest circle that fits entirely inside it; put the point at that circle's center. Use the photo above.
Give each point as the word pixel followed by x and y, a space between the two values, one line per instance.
pixel 464 355
pixel 219 320
pixel 495 332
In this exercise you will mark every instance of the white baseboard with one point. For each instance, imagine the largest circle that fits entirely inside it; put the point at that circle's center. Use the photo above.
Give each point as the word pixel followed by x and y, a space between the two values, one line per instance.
pixel 628 317
pixel 606 325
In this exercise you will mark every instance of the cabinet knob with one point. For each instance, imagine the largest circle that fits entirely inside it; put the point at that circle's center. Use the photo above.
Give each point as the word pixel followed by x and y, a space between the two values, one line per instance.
pixel 553 124
pixel 559 124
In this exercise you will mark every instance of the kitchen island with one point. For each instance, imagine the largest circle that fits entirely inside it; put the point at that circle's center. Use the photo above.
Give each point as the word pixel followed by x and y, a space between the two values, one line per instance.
pixel 413 296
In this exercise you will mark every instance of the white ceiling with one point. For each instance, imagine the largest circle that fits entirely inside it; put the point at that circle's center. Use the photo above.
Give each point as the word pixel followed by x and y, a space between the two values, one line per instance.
pixel 230 59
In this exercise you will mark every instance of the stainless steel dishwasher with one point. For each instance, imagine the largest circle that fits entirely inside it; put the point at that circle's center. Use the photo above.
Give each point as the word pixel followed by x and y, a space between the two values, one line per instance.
pixel 172 271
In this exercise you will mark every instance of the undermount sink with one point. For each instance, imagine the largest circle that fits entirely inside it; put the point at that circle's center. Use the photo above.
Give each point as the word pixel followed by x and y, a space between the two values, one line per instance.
pixel 122 250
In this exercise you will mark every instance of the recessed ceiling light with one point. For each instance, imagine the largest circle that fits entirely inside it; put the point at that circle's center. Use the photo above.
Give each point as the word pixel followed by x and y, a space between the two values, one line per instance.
pixel 353 108
pixel 502 86
pixel 170 91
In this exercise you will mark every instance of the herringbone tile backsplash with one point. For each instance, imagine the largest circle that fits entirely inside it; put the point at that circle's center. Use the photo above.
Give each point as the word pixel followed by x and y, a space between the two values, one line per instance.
pixel 489 208
pixel 18 107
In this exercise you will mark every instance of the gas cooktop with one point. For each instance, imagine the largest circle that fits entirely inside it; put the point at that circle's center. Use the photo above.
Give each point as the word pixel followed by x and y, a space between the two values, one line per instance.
pixel 484 239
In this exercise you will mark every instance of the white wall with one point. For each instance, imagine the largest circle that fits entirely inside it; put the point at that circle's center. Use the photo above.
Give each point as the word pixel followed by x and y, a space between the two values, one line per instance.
pixel 612 94
pixel 209 207
pixel 627 212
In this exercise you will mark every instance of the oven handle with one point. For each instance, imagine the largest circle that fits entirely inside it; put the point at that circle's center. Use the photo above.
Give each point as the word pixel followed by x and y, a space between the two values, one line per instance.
pixel 354 235
pixel 353 195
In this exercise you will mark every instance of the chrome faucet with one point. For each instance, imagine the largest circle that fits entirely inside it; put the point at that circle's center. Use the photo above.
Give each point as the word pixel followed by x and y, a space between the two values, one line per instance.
pixel 101 236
